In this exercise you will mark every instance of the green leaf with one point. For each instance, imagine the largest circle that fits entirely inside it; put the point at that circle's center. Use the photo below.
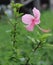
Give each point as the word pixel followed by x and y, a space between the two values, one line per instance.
pixel 18 5
pixel 45 36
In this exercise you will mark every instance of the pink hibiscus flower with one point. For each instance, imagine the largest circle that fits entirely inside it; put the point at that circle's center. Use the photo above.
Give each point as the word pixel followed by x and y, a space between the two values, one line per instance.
pixel 31 21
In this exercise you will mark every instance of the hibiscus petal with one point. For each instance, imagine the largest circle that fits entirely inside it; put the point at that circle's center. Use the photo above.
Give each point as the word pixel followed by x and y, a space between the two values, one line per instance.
pixel 36 13
pixel 37 21
pixel 27 18
pixel 30 27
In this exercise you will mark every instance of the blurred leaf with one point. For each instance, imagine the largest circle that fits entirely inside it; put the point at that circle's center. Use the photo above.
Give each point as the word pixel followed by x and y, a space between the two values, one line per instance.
pixel 45 36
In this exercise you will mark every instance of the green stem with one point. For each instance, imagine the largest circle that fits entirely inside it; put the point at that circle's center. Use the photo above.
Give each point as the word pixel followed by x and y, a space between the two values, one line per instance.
pixel 37 46
pixel 14 35
pixel 14 58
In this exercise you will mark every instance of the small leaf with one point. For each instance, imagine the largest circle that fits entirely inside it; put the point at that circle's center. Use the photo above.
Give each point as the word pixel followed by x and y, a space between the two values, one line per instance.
pixel 32 39
pixel 45 36
pixel 18 5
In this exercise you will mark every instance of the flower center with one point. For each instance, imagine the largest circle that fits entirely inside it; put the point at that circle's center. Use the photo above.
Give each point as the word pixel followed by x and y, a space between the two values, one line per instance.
pixel 33 20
